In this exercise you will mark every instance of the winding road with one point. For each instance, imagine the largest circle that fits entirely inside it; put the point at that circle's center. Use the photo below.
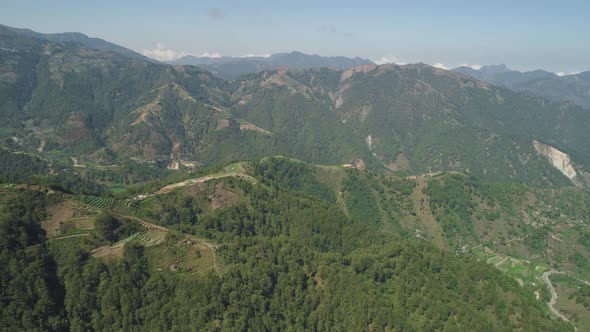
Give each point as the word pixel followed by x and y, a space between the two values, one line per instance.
pixel 554 296
pixel 170 187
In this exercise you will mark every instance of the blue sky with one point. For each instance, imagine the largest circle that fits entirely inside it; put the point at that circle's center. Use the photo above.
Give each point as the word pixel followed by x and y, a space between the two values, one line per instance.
pixel 525 35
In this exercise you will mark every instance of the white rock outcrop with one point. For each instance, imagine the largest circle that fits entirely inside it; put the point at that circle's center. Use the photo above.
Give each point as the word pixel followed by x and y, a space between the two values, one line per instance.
pixel 559 160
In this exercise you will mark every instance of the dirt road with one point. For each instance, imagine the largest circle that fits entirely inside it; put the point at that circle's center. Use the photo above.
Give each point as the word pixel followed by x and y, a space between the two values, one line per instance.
pixel 171 187
pixel 554 295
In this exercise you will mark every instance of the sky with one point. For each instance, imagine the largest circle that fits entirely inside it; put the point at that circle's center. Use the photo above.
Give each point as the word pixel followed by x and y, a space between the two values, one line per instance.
pixel 525 35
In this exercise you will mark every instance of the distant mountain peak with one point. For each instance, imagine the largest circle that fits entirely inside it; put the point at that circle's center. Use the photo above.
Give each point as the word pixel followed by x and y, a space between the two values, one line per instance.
pixel 232 67
pixel 572 88
pixel 501 68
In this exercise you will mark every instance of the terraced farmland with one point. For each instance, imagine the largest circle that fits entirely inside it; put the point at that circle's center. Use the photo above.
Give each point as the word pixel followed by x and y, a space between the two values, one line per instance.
pixel 183 254
pixel 115 251
pixel 125 207
pixel 68 217
pixel 247 178
pixel 149 238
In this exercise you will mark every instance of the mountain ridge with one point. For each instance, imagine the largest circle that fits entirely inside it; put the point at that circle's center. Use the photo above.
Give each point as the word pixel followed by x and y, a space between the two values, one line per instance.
pixel 138 195
pixel 573 88
pixel 102 107
pixel 232 67
pixel 78 37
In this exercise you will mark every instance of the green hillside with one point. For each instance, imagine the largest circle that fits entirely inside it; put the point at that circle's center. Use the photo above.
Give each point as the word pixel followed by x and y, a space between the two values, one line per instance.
pixel 68 100
pixel 573 87
pixel 279 251
pixel 141 196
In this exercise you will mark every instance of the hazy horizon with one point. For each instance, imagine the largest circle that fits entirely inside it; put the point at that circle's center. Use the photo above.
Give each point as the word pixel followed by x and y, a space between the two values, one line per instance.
pixel 524 36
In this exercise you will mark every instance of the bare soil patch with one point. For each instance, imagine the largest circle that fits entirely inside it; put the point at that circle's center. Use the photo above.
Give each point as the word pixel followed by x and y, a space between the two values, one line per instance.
pixel 222 198
pixel 249 126
pixel 66 215
pixel 424 214
pixel 222 123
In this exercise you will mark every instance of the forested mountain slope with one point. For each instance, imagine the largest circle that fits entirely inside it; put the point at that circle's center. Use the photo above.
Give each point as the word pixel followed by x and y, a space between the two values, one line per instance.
pixel 573 88
pixel 289 246
pixel 420 119
pixel 65 100
pixel 76 37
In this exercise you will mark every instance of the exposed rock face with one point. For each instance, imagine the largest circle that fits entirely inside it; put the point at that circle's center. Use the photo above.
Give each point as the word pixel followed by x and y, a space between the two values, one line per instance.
pixel 369 141
pixel 359 69
pixel 559 160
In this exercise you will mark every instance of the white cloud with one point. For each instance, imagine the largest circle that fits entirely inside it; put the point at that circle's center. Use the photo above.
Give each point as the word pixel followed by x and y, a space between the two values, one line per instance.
pixel 440 66
pixel 561 73
pixel 252 55
pixel 475 67
pixel 388 59
pixel 210 55
pixel 162 53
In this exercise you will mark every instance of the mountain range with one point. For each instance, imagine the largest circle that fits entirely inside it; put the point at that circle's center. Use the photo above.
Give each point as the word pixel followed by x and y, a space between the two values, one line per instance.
pixel 298 193
pixel 233 67
pixel 96 106
pixel 573 88
pixel 79 38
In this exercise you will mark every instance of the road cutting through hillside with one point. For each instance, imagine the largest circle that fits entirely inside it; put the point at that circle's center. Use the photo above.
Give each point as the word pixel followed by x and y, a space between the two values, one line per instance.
pixel 554 296
pixel 165 190
pixel 168 188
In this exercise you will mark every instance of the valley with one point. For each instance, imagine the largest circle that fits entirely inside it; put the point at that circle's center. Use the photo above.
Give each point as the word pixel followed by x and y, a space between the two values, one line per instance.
pixel 289 192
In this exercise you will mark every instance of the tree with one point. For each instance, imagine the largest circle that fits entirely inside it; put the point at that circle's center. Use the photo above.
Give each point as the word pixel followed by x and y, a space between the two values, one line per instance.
pixel 106 226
